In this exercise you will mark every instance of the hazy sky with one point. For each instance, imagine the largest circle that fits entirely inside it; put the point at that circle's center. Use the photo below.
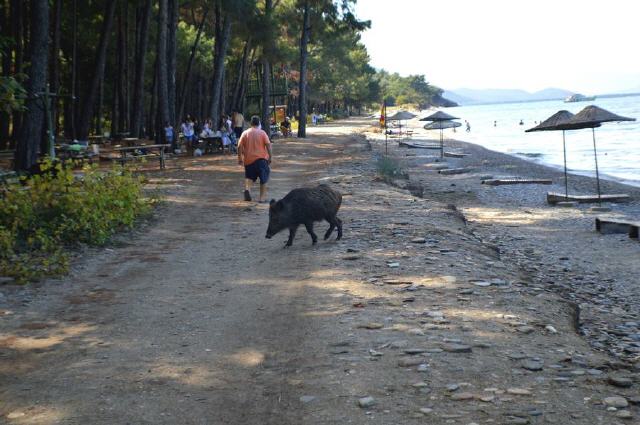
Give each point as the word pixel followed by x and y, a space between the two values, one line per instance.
pixel 587 46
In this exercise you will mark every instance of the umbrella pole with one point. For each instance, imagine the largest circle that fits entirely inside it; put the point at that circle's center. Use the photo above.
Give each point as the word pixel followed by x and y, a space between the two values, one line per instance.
pixel 595 154
pixel 441 144
pixel 386 150
pixel 566 183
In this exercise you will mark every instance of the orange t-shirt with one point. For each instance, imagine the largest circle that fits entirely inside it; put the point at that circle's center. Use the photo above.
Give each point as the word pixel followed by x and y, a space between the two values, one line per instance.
pixel 253 145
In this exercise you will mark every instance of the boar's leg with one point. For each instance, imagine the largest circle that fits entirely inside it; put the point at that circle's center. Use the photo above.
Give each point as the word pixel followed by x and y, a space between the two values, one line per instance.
pixel 332 226
pixel 292 234
pixel 339 224
pixel 314 237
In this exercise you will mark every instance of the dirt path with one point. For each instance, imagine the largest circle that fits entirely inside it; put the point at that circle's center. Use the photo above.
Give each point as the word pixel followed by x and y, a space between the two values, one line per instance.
pixel 198 319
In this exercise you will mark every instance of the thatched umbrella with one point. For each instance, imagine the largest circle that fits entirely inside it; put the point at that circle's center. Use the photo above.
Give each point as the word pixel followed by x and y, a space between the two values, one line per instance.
pixel 441 125
pixel 401 116
pixel 592 117
pixel 441 117
pixel 551 124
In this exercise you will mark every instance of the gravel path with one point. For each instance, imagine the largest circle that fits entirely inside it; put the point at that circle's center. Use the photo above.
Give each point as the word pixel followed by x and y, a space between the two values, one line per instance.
pixel 415 317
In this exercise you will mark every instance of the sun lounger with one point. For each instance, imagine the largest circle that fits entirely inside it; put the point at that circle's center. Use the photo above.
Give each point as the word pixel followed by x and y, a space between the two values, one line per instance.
pixel 455 171
pixel 554 198
pixel 500 182
pixel 608 226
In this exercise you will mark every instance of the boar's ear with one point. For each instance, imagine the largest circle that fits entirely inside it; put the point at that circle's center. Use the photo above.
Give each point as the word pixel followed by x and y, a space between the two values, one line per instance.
pixel 273 201
pixel 277 206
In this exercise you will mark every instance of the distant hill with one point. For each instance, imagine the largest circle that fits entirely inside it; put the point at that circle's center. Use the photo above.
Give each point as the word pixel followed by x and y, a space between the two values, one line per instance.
pixel 473 96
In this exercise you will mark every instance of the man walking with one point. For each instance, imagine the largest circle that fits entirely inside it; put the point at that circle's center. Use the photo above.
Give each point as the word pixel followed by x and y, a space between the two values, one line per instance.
pixel 238 123
pixel 254 152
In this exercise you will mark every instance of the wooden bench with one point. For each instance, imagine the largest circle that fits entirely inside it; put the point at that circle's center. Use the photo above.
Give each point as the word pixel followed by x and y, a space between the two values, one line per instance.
pixel 608 226
pixel 128 153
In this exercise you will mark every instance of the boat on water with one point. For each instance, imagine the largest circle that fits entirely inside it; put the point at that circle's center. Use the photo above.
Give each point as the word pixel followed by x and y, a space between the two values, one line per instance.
pixel 578 98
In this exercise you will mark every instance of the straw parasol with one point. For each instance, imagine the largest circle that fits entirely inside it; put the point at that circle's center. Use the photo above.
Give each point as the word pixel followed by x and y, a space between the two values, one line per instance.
pixel 551 124
pixel 401 116
pixel 441 118
pixel 440 125
pixel 591 117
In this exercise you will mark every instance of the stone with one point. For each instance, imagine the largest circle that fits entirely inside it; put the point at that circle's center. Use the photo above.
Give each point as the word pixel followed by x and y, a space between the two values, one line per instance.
pixel 619 381
pixel 462 396
pixel 420 384
pixel 371 325
pixel 533 364
pixel 410 361
pixel 418 240
pixel 457 348
pixel 551 329
pixel 453 387
pixel 365 402
pixel 307 399
pixel 393 265
pixel 15 415
pixel 413 351
pixel 624 414
pixel 423 367
pixel 482 283
pixel 426 410
pixel 518 391
pixel 616 401
pixel 516 421
pixel 399 344
pixel 525 329
pixel 351 257
pixel 374 353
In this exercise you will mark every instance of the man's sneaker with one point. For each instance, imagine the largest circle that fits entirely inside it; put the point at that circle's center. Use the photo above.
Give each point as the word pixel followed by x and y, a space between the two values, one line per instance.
pixel 247 196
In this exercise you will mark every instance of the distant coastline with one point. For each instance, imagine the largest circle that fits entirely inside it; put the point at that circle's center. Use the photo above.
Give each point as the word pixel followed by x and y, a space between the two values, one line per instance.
pixel 470 97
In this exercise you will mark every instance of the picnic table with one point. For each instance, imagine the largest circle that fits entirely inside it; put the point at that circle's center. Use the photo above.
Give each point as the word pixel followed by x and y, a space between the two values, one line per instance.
pixel 211 143
pixel 130 141
pixel 128 153
pixel 71 151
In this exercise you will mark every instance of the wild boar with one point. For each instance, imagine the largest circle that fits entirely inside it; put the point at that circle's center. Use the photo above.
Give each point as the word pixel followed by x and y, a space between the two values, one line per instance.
pixel 304 206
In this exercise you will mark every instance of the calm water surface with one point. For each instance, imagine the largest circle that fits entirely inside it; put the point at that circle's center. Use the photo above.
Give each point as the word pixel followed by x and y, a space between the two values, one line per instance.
pixel 618 143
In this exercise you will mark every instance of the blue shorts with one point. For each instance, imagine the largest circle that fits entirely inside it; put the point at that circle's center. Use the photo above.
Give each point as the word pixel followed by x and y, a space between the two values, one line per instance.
pixel 258 169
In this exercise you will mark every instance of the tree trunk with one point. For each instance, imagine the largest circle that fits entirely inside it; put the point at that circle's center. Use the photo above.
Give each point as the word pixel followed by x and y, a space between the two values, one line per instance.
pixel 163 75
pixel 267 47
pixel 100 105
pixel 223 33
pixel 54 80
pixel 17 25
pixel 237 86
pixel 171 58
pixel 304 55
pixel 151 114
pixel 6 71
pixel 86 113
pixel 265 117
pixel 121 66
pixel 245 81
pixel 187 74
pixel 137 114
pixel 26 156
pixel 74 72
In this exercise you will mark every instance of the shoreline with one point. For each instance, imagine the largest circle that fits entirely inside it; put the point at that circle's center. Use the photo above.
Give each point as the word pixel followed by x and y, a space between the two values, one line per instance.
pixel 557 249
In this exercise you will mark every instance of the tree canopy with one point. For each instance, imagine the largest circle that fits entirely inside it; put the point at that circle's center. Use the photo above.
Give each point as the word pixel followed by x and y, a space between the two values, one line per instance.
pixel 129 67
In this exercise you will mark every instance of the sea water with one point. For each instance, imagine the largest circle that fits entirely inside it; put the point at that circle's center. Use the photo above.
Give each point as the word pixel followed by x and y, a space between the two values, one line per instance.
pixel 618 144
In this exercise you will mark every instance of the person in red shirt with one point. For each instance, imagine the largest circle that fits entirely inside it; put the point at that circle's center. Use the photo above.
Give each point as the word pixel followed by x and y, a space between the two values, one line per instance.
pixel 254 152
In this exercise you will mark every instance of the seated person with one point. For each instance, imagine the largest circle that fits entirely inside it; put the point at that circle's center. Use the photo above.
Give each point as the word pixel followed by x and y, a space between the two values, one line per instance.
pixel 285 127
